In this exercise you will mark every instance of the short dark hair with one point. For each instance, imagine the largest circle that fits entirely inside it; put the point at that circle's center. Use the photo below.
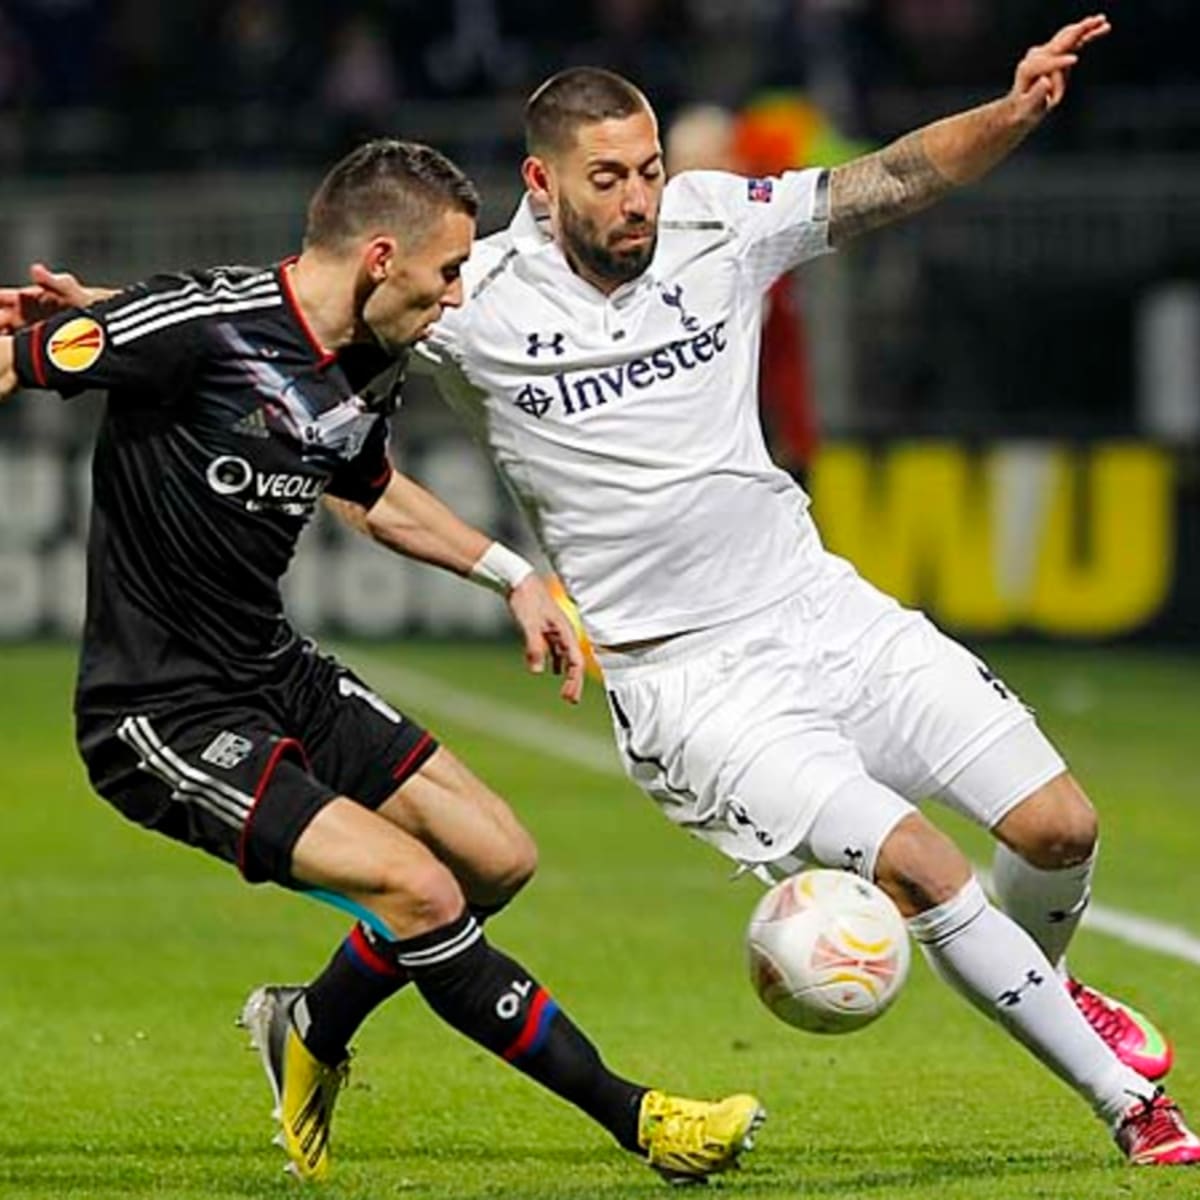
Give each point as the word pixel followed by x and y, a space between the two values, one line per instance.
pixel 386 184
pixel 574 97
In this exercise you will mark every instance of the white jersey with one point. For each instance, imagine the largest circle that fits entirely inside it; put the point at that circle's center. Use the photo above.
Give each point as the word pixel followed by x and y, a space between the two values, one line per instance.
pixel 627 425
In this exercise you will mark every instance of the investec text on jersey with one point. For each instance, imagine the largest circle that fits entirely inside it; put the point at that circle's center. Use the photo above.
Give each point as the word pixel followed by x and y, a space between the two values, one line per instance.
pixel 580 391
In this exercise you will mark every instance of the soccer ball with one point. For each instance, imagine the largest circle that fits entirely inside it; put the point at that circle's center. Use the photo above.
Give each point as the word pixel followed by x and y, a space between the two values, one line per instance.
pixel 828 951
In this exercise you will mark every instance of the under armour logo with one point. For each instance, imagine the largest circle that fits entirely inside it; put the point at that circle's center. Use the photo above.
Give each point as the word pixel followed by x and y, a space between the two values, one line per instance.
pixel 537 343
pixel 534 400
pixel 1012 997
pixel 1056 916
pixel 852 860
pixel 674 299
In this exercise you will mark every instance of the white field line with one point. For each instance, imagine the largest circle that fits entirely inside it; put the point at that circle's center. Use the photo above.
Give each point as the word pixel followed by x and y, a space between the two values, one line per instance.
pixel 552 739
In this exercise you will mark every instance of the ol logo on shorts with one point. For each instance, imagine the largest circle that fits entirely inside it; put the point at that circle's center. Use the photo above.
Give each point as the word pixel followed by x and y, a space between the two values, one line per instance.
pixel 76 345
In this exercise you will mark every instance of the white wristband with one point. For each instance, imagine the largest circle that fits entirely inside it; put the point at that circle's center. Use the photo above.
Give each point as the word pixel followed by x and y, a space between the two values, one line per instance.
pixel 500 568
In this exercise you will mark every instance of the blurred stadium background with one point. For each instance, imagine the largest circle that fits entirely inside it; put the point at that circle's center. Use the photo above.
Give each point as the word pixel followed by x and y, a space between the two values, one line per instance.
pixel 1007 389
pixel 1006 394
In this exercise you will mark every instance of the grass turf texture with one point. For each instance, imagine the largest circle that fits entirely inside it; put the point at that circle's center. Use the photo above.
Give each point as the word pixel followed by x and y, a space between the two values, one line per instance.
pixel 126 959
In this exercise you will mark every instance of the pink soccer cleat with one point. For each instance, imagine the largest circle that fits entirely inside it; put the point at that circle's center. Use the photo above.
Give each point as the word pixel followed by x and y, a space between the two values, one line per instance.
pixel 1153 1134
pixel 1133 1038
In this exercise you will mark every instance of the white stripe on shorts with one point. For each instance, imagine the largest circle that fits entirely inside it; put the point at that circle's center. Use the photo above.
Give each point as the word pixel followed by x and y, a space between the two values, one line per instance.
pixel 188 785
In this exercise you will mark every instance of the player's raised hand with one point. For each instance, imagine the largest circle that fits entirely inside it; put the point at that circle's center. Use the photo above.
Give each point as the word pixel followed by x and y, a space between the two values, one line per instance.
pixel 17 308
pixel 547 632
pixel 1041 76
pixel 47 293
pixel 62 289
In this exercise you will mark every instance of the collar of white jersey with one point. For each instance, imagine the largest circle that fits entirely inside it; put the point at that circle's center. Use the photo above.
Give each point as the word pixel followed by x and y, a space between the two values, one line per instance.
pixel 532 239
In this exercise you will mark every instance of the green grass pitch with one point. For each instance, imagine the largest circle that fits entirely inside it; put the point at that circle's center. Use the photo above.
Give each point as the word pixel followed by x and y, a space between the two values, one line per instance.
pixel 125 960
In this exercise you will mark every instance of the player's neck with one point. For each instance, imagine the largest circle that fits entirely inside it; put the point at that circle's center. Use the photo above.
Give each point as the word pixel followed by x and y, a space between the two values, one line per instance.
pixel 605 287
pixel 324 298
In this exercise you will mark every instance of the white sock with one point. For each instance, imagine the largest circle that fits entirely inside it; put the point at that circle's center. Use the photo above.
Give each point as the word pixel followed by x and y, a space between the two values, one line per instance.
pixel 1048 905
pixel 998 967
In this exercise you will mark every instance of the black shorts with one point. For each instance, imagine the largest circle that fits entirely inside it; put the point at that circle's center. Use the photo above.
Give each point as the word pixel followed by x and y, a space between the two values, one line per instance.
pixel 241 776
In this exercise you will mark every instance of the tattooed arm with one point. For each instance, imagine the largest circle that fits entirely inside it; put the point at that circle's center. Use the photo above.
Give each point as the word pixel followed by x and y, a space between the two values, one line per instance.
pixel 923 166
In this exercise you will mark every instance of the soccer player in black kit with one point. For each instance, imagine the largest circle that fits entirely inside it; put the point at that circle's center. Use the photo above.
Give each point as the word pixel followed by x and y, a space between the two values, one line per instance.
pixel 238 398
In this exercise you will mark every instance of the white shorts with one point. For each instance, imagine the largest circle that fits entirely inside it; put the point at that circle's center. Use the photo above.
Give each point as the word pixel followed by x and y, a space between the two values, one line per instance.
pixel 742 733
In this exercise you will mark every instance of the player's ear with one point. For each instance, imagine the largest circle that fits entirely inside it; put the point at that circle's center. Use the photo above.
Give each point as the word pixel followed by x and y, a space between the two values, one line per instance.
pixel 379 257
pixel 536 177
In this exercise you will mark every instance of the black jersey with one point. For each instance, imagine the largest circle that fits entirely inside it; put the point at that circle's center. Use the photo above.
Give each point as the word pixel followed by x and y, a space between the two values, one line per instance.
pixel 225 423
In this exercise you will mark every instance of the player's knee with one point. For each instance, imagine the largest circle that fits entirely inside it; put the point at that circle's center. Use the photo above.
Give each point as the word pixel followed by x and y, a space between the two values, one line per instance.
pixel 521 861
pixel 419 896
pixel 511 865
pixel 920 867
pixel 1070 838
pixel 1054 828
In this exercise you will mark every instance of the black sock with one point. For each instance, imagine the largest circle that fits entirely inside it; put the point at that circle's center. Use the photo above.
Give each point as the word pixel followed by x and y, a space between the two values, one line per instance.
pixel 497 1003
pixel 485 912
pixel 360 976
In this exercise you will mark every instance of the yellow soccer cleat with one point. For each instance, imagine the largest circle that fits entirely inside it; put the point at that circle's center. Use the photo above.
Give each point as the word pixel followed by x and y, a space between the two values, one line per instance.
pixel 688 1140
pixel 305 1088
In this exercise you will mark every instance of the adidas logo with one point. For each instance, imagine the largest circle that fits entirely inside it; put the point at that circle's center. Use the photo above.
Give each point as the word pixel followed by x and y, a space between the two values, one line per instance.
pixel 253 425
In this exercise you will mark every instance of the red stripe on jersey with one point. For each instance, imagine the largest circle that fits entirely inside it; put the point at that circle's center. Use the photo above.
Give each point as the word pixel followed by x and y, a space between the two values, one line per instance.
pixel 37 337
pixel 377 486
pixel 324 356
pixel 400 771
pixel 384 477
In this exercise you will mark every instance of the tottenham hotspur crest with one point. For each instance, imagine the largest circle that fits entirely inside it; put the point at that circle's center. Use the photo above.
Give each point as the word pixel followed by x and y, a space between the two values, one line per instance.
pixel 673 298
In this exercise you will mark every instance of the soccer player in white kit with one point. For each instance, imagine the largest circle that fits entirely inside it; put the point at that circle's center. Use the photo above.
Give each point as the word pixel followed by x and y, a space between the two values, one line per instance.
pixel 765 696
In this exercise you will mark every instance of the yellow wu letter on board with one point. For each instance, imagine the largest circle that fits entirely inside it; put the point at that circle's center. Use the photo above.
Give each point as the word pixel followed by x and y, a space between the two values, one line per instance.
pixel 917 522
pixel 1106 556
pixel 923 521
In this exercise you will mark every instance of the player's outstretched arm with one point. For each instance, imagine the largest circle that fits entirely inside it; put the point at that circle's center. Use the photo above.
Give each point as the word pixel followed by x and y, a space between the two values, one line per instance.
pixel 415 523
pixel 547 630
pixel 923 166
pixel 8 368
pixel 47 294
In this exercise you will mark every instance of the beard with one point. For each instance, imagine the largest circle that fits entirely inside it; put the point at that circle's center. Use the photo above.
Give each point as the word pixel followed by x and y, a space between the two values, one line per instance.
pixel 601 257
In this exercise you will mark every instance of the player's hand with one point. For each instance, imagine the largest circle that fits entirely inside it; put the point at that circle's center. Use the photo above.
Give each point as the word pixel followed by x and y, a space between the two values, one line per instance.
pixel 47 294
pixel 1041 77
pixel 547 632
pixel 18 308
